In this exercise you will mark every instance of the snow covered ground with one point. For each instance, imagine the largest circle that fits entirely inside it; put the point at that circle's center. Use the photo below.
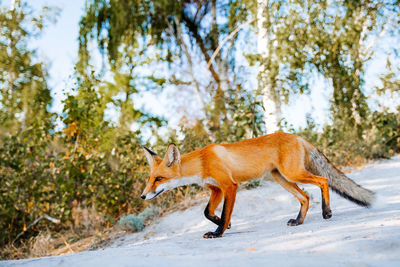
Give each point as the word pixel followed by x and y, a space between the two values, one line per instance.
pixel 354 236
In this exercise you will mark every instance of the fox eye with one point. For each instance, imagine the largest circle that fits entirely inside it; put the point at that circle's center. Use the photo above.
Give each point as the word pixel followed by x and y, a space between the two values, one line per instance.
pixel 158 178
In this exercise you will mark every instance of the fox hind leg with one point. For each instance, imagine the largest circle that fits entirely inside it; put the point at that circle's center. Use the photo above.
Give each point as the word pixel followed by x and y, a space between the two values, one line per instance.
pixel 306 177
pixel 298 193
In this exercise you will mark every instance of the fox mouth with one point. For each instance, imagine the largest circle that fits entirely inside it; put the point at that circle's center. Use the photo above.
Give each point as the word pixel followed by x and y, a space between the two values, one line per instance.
pixel 162 190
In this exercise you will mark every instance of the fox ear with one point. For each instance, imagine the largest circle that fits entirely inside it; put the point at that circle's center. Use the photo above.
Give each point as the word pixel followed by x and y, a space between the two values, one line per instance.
pixel 150 156
pixel 173 156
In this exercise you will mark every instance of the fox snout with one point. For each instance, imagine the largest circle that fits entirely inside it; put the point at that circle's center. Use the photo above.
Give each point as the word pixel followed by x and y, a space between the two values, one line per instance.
pixel 150 192
pixel 151 195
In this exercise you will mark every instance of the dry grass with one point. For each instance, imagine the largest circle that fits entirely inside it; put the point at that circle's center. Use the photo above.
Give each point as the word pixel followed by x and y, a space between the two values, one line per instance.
pixel 98 240
pixel 41 244
pixel 47 244
pixel 86 220
pixel 86 230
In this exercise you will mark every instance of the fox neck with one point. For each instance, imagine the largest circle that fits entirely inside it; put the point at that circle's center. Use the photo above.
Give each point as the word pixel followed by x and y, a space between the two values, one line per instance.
pixel 190 173
pixel 191 165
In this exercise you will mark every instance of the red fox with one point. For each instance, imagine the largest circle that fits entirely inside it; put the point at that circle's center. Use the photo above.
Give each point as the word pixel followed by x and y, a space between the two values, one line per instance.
pixel 288 157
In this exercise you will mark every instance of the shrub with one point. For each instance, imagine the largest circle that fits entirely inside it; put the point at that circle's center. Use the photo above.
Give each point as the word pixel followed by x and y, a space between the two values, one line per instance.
pixel 135 223
pixel 380 139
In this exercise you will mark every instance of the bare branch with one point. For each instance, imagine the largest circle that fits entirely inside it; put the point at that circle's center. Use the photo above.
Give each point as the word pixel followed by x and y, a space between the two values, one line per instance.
pixel 371 44
pixel 230 36
pixel 193 28
pixel 44 216
pixel 179 39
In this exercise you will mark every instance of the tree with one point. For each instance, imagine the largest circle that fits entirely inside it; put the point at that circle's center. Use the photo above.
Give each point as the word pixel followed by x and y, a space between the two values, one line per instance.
pixel 187 31
pixel 268 66
pixel 25 96
pixel 276 20
pixel 336 39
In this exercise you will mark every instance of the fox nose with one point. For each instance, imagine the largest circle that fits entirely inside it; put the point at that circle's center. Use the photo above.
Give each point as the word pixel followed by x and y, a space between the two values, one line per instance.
pixel 143 196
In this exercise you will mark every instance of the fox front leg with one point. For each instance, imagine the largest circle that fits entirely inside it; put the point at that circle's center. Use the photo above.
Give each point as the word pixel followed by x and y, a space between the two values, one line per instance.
pixel 215 199
pixel 212 217
pixel 230 196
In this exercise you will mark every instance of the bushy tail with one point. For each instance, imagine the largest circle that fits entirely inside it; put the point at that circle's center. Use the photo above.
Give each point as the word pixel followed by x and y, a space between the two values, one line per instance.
pixel 318 164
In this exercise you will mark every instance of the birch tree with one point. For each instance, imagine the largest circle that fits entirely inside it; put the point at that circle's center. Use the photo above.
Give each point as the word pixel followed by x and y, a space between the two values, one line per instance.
pixel 267 74
pixel 339 39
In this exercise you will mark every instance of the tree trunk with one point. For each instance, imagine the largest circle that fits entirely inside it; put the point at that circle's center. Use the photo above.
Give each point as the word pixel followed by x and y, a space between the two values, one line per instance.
pixel 12 4
pixel 266 85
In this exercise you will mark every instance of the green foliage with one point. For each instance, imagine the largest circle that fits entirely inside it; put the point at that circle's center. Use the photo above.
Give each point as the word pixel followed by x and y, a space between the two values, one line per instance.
pixel 335 39
pixel 23 86
pixel 243 117
pixel 172 29
pixel 381 139
pixel 253 184
pixel 37 180
pixel 390 80
pixel 117 25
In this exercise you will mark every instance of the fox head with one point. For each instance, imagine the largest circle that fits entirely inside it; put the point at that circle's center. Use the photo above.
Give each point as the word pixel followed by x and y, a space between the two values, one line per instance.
pixel 164 172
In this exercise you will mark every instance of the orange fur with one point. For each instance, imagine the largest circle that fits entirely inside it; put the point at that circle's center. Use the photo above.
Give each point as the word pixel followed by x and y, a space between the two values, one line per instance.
pixel 228 164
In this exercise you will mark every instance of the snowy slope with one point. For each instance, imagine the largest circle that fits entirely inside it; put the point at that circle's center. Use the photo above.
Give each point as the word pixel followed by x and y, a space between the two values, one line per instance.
pixel 259 236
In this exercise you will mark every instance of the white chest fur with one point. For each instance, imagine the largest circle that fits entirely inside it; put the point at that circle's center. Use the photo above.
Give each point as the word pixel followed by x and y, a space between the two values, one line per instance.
pixel 174 183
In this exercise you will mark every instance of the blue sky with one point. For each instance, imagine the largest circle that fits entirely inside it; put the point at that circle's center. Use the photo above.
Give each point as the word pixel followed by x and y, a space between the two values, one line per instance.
pixel 58 47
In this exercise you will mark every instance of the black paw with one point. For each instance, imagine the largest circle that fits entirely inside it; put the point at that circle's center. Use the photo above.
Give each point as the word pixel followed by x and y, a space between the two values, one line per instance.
pixel 293 222
pixel 212 235
pixel 229 226
pixel 326 214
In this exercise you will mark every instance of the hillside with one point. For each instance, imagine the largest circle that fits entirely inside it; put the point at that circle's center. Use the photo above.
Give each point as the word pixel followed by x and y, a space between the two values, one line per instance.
pixel 259 235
